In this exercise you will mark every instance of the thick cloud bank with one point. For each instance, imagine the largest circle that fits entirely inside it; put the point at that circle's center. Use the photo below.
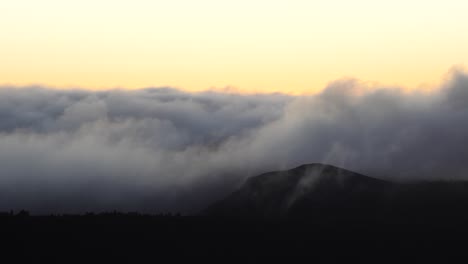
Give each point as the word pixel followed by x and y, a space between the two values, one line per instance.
pixel 159 150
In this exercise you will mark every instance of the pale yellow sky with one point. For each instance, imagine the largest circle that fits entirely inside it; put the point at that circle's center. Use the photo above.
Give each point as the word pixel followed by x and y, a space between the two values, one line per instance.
pixel 293 46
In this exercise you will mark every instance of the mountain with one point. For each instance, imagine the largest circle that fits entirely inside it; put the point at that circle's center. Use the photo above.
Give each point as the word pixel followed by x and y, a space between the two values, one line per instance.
pixel 307 189
pixel 328 192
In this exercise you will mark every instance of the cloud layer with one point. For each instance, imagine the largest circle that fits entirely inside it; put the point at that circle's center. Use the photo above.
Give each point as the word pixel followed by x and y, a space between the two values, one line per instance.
pixel 157 150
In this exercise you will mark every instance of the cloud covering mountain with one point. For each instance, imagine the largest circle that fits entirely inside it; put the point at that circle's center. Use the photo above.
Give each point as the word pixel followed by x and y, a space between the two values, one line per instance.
pixel 164 149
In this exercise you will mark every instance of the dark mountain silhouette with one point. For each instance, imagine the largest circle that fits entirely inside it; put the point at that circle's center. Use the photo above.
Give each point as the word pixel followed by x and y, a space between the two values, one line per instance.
pixel 325 191
pixel 315 212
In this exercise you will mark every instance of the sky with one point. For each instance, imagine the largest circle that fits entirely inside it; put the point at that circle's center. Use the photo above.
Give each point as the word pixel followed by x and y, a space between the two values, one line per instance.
pixel 170 105
pixel 289 46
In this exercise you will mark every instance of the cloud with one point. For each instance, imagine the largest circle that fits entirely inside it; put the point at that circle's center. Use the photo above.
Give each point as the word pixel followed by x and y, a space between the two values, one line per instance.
pixel 162 149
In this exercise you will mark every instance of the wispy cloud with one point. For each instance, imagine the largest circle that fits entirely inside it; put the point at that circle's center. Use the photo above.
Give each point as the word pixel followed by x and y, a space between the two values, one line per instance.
pixel 164 149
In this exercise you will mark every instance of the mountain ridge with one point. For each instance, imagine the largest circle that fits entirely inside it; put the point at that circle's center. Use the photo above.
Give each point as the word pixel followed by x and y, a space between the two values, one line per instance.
pixel 322 190
pixel 276 193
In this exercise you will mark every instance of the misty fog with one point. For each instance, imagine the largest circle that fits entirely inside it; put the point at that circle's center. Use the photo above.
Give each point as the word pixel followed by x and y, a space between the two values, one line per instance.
pixel 162 149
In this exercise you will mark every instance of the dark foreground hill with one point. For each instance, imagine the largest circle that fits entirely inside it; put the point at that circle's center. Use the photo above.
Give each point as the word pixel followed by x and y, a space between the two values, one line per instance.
pixel 317 213
pixel 123 238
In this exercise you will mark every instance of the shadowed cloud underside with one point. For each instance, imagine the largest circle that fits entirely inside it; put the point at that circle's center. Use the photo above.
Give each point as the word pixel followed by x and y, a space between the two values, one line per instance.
pixel 165 149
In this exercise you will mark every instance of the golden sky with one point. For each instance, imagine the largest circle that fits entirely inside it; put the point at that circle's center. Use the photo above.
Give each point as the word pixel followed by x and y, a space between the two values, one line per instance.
pixel 294 46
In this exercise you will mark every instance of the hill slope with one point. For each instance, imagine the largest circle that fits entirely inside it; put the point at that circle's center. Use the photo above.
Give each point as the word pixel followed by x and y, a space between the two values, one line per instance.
pixel 325 191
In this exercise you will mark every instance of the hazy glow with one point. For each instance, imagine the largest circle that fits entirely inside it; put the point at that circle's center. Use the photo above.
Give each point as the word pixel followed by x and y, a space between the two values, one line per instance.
pixel 253 45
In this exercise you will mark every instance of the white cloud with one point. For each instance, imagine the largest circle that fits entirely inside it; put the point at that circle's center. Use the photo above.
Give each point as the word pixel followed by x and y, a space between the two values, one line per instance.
pixel 164 149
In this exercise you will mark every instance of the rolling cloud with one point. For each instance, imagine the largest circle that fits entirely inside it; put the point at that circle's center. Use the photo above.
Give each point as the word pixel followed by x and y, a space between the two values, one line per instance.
pixel 157 150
